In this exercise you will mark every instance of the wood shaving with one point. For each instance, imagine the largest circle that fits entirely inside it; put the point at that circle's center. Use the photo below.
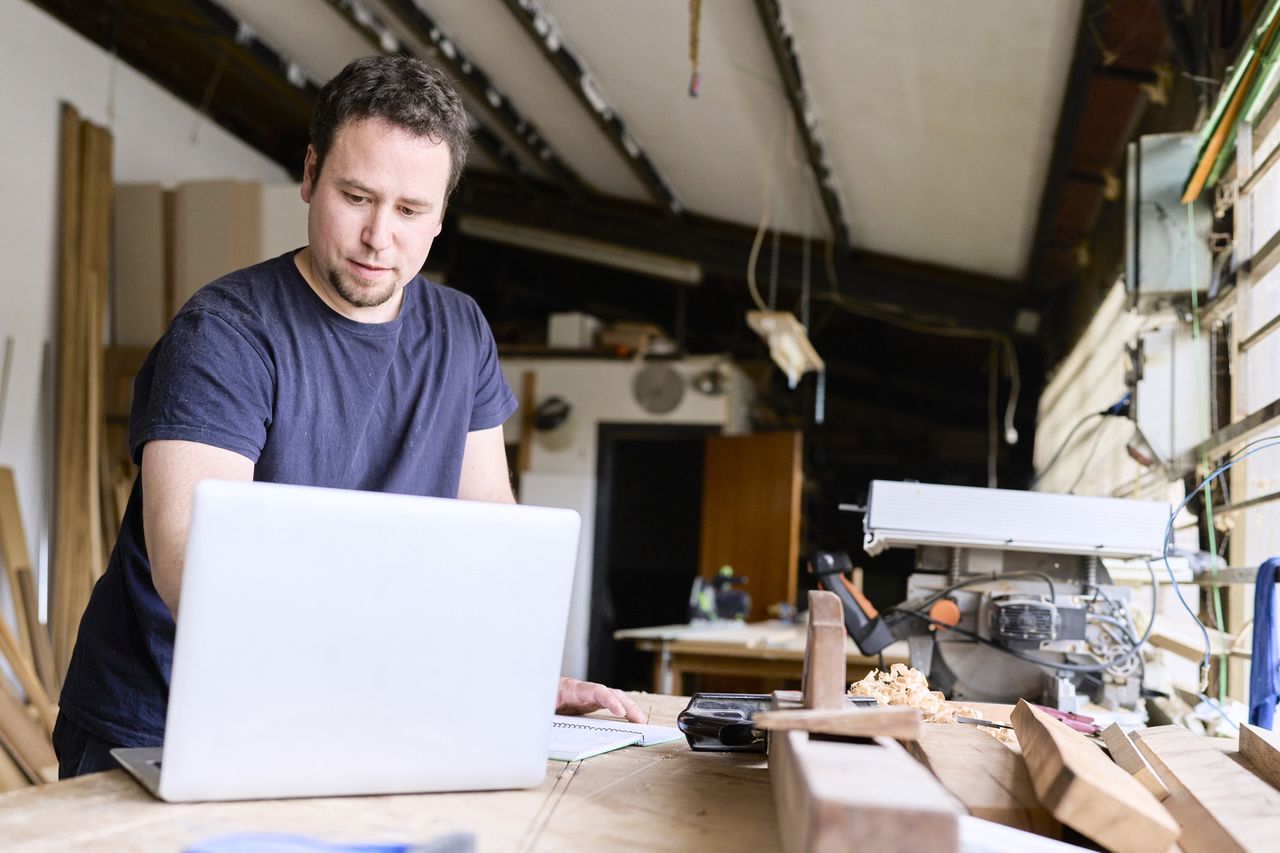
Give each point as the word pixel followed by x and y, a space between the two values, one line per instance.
pixel 903 685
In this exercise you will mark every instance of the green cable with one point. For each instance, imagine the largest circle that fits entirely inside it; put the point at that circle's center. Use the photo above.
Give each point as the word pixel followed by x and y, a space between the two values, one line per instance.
pixel 1202 399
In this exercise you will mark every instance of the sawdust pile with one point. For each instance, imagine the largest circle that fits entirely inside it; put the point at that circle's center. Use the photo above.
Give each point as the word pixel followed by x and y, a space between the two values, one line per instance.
pixel 903 685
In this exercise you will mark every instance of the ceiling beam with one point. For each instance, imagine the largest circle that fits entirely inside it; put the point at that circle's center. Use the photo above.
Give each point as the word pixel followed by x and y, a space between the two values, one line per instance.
pixel 206 58
pixel 547 36
pixel 788 62
pixel 893 287
pixel 1083 62
pixel 483 89
pixel 385 41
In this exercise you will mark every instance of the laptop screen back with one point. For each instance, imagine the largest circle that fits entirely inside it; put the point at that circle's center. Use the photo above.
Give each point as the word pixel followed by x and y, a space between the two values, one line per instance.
pixel 336 642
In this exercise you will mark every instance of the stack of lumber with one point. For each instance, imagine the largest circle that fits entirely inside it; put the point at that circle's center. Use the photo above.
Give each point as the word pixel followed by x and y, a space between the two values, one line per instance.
pixel 842 782
pixel 1224 800
pixel 838 784
pixel 26 753
pixel 84 212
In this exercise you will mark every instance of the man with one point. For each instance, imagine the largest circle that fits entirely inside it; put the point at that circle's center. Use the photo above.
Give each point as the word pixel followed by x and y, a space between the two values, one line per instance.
pixel 337 365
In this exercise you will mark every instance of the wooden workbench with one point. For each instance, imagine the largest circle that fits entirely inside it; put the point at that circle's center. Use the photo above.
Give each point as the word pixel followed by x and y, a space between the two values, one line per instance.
pixel 770 650
pixel 661 797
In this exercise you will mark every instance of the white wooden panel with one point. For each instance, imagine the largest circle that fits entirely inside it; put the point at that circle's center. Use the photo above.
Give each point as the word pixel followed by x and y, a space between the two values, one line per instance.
pixel 1261 376
pixel 1265 200
pixel 1263 302
pixel 1262 533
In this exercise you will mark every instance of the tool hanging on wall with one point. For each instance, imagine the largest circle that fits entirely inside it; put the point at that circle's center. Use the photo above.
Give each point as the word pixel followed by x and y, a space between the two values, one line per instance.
pixel 695 79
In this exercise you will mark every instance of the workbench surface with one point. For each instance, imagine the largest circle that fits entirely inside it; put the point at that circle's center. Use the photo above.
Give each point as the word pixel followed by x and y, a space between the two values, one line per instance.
pixel 662 797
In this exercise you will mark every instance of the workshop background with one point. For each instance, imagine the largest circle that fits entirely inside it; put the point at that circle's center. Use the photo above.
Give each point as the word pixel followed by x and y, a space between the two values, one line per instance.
pixel 946 196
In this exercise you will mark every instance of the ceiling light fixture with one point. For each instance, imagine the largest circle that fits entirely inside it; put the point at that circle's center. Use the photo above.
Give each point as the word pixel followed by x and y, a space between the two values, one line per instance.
pixel 788 342
pixel 582 249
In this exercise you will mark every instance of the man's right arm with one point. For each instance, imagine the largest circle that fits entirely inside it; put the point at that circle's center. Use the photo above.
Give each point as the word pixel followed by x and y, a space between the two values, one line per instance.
pixel 170 471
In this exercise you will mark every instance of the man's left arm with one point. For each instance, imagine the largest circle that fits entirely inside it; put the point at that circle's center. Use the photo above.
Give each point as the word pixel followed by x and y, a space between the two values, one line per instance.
pixel 485 478
pixel 484 468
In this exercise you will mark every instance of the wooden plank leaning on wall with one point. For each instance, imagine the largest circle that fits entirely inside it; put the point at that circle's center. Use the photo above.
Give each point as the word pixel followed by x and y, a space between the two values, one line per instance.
pixel 26 752
pixel 85 204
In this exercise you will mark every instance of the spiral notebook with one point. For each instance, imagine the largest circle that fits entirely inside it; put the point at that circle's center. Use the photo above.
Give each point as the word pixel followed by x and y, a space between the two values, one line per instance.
pixel 576 738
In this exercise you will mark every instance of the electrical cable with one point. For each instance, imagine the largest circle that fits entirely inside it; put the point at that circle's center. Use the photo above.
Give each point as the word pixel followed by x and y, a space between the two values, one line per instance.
pixel 766 195
pixel 1063 447
pixel 1203 402
pixel 988 579
pixel 889 318
pixel 1088 460
pixel 1168 541
pixel 1071 667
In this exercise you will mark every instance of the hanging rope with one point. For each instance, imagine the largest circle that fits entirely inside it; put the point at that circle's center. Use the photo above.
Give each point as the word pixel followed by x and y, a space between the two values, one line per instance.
pixel 695 79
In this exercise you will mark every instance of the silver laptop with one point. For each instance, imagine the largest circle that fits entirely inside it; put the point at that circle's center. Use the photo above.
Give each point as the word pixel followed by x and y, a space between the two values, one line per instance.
pixel 333 642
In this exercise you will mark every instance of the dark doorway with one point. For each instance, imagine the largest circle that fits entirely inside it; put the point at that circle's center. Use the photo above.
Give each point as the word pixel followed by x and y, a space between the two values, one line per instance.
pixel 648 529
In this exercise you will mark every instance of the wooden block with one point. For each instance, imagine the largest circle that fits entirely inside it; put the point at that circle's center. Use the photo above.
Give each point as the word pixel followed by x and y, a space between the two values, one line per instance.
pixel 823 678
pixel 845 796
pixel 1261 748
pixel 1086 791
pixel 217 229
pixel 1220 804
pixel 989 778
pixel 26 742
pixel 1125 754
pixel 138 315
pixel 896 723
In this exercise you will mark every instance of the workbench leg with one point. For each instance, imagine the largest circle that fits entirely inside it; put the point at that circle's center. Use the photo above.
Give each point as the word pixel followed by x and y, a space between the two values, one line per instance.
pixel 662 669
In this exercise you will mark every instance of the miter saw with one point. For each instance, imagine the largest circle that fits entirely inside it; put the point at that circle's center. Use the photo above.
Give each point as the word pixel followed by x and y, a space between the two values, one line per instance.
pixel 1009 597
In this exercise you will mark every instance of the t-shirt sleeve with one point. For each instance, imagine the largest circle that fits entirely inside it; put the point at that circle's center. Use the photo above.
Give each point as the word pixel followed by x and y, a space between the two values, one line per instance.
pixel 494 401
pixel 208 384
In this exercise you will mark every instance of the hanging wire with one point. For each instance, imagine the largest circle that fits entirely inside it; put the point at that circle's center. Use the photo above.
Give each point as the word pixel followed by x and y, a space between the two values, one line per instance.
pixel 203 112
pixel 766 193
pixel 775 246
pixel 695 78
pixel 1203 404
pixel 993 416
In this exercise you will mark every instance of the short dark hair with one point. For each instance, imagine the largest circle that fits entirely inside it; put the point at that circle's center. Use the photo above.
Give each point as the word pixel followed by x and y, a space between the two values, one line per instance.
pixel 402 90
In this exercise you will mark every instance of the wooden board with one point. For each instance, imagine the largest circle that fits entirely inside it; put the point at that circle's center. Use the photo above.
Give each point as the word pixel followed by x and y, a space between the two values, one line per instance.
pixel 1220 804
pixel 1086 791
pixel 217 229
pixel 11 776
pixel 27 677
pixel 987 777
pixel 1261 748
pixel 751 514
pixel 25 741
pixel 138 283
pixel 656 798
pixel 868 796
pixel 33 639
pixel 1125 754
pixel 15 556
pixel 896 723
pixel 822 682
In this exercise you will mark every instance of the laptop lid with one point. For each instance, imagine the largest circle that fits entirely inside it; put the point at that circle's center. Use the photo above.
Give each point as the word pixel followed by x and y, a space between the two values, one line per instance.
pixel 334 642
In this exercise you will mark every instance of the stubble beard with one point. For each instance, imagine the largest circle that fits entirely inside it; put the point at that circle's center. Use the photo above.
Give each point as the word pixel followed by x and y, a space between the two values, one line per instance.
pixel 360 297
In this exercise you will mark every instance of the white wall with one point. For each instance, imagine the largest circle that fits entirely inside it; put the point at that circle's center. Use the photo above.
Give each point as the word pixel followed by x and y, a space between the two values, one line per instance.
pixel 42 63
pixel 562 465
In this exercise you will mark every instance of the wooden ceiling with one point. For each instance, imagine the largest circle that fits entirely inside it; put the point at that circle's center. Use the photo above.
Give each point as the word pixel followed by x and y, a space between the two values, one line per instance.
pixel 968 161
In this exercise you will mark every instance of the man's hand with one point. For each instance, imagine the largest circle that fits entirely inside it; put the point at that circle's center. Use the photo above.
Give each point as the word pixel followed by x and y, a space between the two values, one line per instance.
pixel 581 697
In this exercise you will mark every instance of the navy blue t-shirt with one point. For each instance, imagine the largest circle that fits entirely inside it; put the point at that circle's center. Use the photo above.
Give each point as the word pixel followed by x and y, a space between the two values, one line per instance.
pixel 258 364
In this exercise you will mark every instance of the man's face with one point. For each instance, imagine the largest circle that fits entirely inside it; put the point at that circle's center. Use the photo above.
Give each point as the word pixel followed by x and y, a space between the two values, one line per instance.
pixel 375 208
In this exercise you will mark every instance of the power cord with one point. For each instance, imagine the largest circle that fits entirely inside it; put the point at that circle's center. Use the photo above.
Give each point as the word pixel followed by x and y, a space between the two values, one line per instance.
pixel 1119 409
